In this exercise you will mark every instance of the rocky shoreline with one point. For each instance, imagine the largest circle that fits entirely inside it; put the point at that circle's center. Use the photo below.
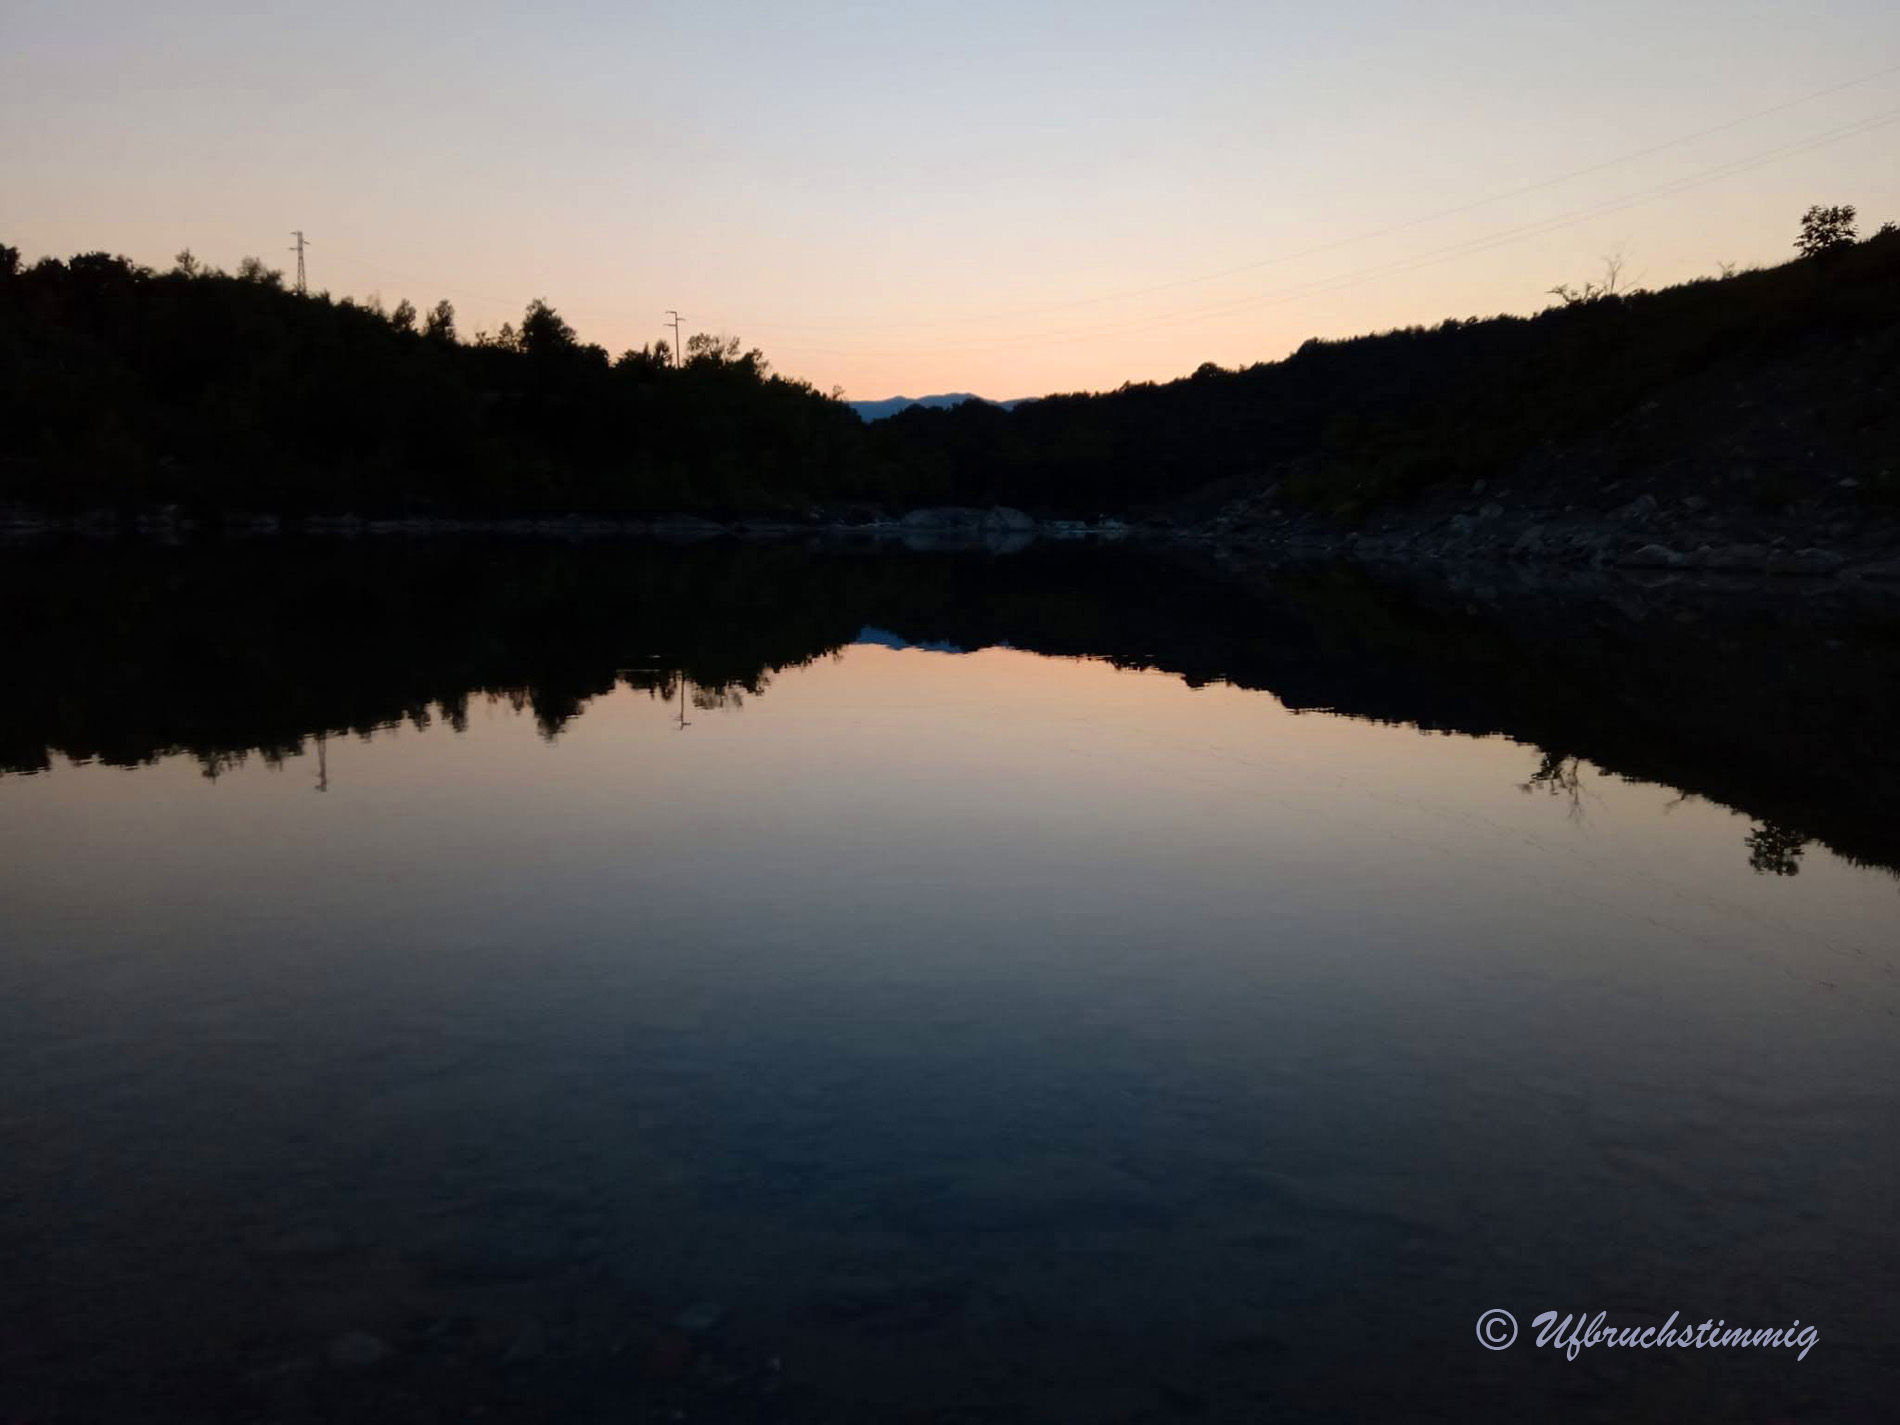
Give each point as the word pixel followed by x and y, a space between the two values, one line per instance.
pixel 1641 534
pixel 998 528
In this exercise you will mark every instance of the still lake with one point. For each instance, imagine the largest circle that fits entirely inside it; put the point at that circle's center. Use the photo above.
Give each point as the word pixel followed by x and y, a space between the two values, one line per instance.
pixel 757 983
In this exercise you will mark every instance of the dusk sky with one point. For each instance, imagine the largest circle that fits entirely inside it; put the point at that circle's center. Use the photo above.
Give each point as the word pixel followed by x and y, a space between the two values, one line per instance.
pixel 908 197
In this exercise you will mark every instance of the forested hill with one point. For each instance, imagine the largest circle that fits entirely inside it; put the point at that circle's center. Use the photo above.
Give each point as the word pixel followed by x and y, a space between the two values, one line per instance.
pixel 122 388
pixel 1784 377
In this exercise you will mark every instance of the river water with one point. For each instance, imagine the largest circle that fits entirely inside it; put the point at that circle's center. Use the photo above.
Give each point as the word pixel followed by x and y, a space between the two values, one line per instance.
pixel 768 984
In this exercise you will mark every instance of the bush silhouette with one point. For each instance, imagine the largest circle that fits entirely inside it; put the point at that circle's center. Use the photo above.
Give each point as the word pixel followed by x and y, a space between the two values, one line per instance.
pixel 1826 229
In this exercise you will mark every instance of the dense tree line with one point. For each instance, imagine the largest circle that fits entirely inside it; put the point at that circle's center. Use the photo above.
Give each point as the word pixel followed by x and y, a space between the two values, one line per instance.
pixel 1345 426
pixel 127 387
pixel 121 387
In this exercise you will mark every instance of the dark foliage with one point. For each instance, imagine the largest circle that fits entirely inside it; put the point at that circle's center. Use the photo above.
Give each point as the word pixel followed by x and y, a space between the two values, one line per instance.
pixel 1343 426
pixel 229 648
pixel 122 388
pixel 1826 229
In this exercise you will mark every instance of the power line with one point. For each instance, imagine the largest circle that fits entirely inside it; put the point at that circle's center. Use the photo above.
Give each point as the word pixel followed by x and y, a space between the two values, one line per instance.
pixel 1387 231
pixel 1234 305
pixel 1485 243
pixel 1276 260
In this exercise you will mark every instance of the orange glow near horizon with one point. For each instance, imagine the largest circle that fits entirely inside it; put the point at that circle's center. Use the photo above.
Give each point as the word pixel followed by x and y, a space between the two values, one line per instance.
pixel 917 199
pixel 882 746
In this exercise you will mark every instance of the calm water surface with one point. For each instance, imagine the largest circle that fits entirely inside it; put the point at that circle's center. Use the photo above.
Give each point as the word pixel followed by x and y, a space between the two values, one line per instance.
pixel 989 1035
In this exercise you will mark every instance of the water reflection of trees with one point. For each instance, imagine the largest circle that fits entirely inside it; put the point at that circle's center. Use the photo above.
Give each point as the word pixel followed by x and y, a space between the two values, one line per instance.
pixel 233 651
pixel 1775 850
pixel 1561 776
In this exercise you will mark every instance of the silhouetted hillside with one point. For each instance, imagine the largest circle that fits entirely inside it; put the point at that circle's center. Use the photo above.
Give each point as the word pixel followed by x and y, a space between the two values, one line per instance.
pixel 121 388
pixel 1784 377
pixel 124 387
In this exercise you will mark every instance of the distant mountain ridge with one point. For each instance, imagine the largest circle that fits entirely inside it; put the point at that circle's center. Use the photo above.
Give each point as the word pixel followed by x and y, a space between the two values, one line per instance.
pixel 891 405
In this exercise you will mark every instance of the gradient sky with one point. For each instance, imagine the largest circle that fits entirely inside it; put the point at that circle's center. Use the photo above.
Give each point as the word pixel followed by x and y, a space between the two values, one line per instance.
pixel 909 197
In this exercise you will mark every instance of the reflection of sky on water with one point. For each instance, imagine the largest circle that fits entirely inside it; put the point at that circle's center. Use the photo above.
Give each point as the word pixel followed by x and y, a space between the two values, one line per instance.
pixel 1079 987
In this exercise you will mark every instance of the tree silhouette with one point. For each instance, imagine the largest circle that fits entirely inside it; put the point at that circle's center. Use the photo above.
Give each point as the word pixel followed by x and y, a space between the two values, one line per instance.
pixel 1614 284
pixel 252 269
pixel 123 388
pixel 1826 229
pixel 543 333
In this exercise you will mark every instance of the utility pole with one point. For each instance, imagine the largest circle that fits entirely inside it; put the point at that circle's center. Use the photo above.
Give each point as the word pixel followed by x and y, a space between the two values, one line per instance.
pixel 676 334
pixel 302 290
